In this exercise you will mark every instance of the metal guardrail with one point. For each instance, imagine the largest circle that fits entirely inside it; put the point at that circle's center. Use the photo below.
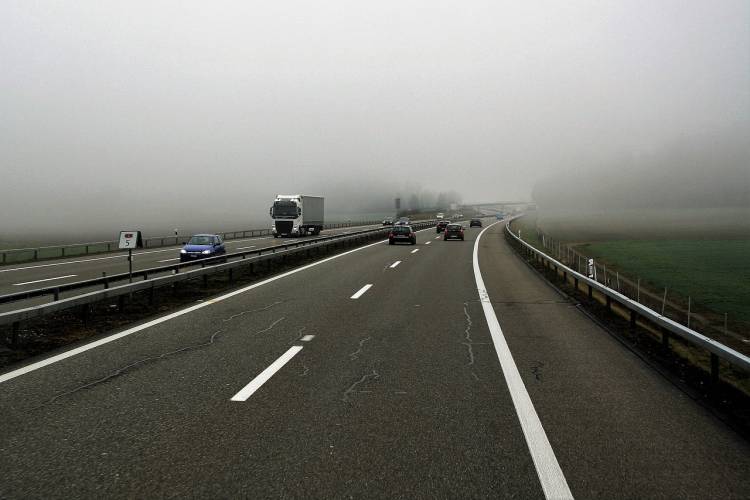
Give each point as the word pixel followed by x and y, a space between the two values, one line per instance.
pixel 175 274
pixel 667 325
pixel 19 255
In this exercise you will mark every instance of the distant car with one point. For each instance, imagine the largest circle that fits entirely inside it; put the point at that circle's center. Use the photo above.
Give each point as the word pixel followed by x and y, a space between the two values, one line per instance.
pixel 475 222
pixel 403 221
pixel 441 225
pixel 202 246
pixel 388 221
pixel 453 231
pixel 499 216
pixel 402 234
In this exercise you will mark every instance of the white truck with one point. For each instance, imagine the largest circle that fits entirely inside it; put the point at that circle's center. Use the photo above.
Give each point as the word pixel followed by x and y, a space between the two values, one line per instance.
pixel 296 215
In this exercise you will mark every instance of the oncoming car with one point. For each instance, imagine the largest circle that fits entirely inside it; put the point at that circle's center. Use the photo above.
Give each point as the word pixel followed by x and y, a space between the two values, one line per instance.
pixel 201 246
pixel 402 234
pixel 454 231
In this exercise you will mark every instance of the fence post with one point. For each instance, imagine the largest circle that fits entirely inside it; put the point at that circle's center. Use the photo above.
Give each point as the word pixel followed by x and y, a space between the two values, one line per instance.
pixel 664 301
pixel 689 307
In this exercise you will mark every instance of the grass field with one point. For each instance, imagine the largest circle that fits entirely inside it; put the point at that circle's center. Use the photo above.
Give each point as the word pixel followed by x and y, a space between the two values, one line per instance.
pixel 714 273
pixel 701 254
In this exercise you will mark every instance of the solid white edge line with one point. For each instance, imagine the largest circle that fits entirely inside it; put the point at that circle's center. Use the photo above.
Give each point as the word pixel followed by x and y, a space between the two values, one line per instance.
pixel 266 374
pixel 548 469
pixel 78 350
pixel 46 279
pixel 395 264
pixel 361 291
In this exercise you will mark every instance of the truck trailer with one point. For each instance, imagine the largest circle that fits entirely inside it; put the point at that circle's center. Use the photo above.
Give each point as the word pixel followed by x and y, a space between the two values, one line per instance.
pixel 296 215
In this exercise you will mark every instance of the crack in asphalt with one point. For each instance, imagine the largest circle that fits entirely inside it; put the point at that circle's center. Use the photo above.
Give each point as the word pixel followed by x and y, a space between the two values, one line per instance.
pixel 356 353
pixel 270 327
pixel 124 369
pixel 467 336
pixel 374 375
pixel 249 311
pixel 537 370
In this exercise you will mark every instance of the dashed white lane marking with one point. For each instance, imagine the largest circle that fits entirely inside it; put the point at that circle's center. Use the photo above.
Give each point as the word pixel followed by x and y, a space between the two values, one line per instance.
pixel 437 237
pixel 415 250
pixel 94 259
pixel 266 374
pixel 167 260
pixel 245 248
pixel 361 291
pixel 548 469
pixel 307 338
pixel 395 264
pixel 47 279
pixel 428 242
pixel 106 340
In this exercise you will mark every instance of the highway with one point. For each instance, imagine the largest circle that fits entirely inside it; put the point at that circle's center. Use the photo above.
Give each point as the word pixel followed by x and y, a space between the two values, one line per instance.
pixel 445 369
pixel 32 275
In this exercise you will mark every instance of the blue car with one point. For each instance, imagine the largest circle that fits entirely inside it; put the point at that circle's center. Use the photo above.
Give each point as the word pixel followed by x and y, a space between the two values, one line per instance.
pixel 202 246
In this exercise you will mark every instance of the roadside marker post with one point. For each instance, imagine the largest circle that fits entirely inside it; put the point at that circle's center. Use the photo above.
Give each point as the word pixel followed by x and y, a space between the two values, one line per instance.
pixel 130 240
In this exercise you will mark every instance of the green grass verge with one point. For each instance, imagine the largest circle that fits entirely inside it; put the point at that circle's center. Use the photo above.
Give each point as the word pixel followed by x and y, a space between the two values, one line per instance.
pixel 714 273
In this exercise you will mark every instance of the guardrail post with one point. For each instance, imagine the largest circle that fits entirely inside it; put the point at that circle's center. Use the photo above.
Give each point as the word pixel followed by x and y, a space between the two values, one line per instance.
pixel 63 251
pixel 609 303
pixel 36 254
pixel 633 319
pixel 591 292
pixel 87 250
pixel 575 283
pixel 56 294
pixel 106 281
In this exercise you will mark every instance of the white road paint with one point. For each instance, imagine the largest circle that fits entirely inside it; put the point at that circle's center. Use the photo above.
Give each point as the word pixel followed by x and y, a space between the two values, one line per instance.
pixel 395 264
pixel 548 469
pixel 47 279
pixel 168 260
pixel 245 248
pixel 361 291
pixel 307 338
pixel 415 250
pixel 106 340
pixel 428 242
pixel 437 237
pixel 120 256
pixel 93 345
pixel 266 374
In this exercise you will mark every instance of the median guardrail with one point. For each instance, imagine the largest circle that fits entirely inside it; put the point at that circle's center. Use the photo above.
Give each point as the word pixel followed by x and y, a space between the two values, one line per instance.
pixel 152 278
pixel 20 255
pixel 638 311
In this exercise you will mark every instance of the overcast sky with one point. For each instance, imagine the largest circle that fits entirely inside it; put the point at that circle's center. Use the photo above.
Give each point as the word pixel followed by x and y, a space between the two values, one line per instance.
pixel 160 108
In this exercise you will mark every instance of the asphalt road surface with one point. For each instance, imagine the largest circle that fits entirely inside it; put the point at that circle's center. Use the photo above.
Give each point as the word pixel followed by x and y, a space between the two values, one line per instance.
pixel 33 275
pixel 313 384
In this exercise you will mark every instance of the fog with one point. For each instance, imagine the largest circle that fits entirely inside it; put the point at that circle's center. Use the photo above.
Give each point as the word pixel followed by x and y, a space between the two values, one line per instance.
pixel 157 115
